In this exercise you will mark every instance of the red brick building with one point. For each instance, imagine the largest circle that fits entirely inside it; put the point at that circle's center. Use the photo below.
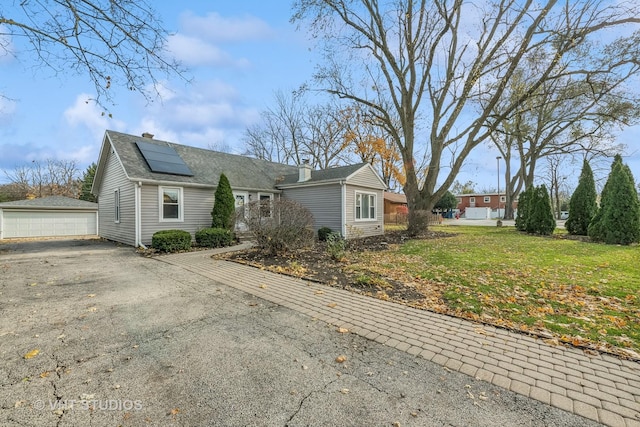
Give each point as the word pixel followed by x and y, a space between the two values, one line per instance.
pixel 494 201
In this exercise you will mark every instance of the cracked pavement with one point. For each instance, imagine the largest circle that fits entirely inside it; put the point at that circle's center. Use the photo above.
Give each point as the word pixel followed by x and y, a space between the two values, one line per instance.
pixel 127 340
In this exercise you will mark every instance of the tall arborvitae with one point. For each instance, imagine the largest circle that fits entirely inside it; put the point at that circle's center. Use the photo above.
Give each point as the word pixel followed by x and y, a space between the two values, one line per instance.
pixel 224 205
pixel 523 209
pixel 618 219
pixel 583 204
pixel 541 220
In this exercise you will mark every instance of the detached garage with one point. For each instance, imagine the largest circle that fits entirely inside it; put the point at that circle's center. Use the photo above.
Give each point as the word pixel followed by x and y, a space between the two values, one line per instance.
pixel 48 217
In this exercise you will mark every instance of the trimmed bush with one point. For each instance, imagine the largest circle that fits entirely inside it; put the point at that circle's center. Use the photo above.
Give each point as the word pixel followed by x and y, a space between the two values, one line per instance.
pixel 171 240
pixel 323 233
pixel 214 237
pixel 224 206
pixel 582 206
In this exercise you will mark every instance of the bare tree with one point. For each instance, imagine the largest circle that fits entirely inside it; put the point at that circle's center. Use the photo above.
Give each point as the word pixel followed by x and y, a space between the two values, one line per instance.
pixel 278 138
pixel 424 65
pixel 49 178
pixel 565 116
pixel 119 43
pixel 293 131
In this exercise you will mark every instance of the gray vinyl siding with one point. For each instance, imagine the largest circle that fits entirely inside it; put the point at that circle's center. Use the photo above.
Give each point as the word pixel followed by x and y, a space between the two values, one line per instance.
pixel 197 206
pixel 365 177
pixel 363 228
pixel 115 178
pixel 324 202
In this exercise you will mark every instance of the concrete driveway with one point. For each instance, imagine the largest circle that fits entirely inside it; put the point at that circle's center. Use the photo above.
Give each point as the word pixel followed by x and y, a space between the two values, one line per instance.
pixel 94 334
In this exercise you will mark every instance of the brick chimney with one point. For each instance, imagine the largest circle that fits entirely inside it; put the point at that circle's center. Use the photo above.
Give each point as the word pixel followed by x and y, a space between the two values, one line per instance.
pixel 304 171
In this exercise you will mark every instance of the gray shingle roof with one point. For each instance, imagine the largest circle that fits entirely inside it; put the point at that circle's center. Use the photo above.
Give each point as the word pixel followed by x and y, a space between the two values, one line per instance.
pixel 207 165
pixel 331 174
pixel 53 202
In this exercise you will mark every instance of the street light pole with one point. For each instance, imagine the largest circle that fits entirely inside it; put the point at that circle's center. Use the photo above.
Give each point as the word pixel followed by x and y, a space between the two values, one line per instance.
pixel 498 161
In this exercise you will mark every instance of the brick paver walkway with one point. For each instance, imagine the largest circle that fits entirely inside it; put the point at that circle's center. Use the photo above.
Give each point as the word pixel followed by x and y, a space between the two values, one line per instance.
pixel 602 388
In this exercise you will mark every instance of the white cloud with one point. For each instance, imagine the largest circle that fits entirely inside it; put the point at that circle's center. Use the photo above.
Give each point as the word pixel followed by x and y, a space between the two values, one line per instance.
pixel 216 28
pixel 195 51
pixel 7 108
pixel 206 114
pixel 85 113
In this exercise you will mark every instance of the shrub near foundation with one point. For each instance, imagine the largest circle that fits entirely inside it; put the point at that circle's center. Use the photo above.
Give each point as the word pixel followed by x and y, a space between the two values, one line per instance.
pixel 214 237
pixel 171 240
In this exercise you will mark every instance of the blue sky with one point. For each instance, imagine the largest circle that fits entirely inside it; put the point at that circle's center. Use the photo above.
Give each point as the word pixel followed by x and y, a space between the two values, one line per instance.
pixel 239 53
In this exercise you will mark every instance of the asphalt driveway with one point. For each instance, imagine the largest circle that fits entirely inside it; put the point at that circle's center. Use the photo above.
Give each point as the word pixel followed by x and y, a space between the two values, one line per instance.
pixel 93 334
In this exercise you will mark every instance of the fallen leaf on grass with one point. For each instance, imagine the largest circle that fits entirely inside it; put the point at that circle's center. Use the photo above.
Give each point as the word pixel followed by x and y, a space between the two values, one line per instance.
pixel 91 295
pixel 263 286
pixel 45 374
pixel 342 358
pixel 174 412
pixel 32 354
pixel 92 309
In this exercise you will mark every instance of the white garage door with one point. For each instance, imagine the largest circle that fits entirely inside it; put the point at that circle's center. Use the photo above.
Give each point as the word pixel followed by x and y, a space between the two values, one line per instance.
pixel 44 224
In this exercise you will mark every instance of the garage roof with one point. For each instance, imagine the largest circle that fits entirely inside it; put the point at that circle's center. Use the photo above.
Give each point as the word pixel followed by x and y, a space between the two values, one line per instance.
pixel 53 202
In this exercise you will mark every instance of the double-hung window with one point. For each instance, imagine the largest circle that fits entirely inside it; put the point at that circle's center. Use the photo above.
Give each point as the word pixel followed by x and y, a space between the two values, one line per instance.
pixel 365 206
pixel 170 204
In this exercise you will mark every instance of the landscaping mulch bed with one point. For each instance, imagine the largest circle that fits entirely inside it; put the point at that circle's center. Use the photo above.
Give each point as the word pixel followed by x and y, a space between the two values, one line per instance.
pixel 316 264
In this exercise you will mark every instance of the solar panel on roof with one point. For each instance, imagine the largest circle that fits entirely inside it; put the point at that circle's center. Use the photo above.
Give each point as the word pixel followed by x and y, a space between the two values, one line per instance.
pixel 163 159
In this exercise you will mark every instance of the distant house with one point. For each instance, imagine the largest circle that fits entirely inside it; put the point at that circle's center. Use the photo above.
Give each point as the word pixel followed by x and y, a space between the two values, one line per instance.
pixel 145 185
pixel 395 207
pixel 493 203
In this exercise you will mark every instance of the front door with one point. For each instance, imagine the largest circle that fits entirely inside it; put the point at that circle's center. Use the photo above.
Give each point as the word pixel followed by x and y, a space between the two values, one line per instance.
pixel 241 198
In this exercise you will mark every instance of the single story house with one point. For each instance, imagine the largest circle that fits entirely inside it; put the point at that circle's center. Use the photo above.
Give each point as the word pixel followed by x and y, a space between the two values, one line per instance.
pixel 395 207
pixel 48 217
pixel 145 185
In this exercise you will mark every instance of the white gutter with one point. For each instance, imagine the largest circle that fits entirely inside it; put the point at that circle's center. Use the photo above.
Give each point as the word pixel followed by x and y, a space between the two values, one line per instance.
pixel 343 214
pixel 137 221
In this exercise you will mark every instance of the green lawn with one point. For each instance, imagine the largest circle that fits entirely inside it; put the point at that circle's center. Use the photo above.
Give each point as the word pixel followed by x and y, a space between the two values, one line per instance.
pixel 582 293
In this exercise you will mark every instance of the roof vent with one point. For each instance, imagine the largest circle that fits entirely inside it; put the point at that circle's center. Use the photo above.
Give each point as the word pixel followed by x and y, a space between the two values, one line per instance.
pixel 147 135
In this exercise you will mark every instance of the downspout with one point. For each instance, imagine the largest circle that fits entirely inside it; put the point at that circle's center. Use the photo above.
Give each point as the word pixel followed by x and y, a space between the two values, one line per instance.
pixel 138 216
pixel 343 213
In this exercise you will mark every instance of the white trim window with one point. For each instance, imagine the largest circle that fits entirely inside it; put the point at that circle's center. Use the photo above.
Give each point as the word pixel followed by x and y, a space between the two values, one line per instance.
pixel 503 199
pixel 487 199
pixel 116 206
pixel 365 206
pixel 170 204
